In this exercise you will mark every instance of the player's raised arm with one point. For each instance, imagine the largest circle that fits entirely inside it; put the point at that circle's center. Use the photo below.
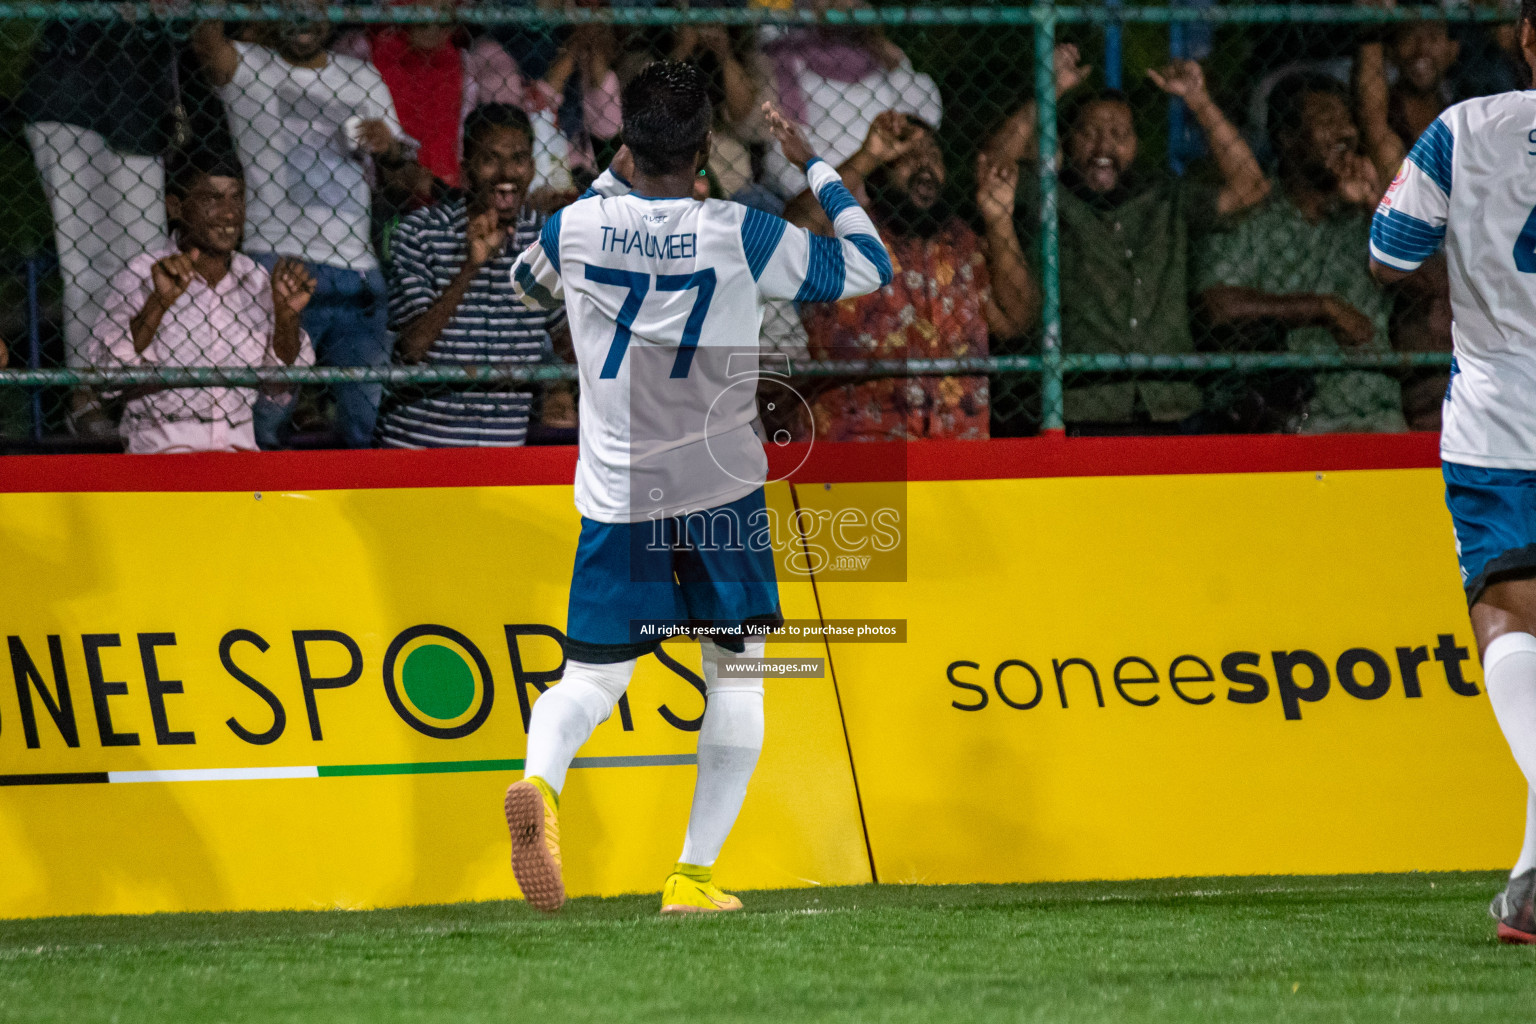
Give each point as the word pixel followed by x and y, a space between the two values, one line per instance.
pixel 1410 222
pixel 536 274
pixel 793 263
pixel 615 180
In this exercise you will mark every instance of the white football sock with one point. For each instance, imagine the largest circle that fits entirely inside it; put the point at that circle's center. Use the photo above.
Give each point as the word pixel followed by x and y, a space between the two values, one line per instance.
pixel 565 715
pixel 1527 859
pixel 730 739
pixel 1509 673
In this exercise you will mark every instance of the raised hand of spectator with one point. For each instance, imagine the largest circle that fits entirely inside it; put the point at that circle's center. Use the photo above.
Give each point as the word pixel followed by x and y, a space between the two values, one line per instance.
pixel 687 42
pixel 1014 139
pixel 214 51
pixel 595 48
pixel 790 138
pixel 292 288
pixel 416 179
pixel 1069 69
pixel 996 185
pixel 694 39
pixel 1350 327
pixel 1244 182
pixel 891 136
pixel 886 52
pixel 716 40
pixel 172 276
pixel 1358 181
pixel 1182 78
pixel 485 238
pixel 1373 100
pixel 375 137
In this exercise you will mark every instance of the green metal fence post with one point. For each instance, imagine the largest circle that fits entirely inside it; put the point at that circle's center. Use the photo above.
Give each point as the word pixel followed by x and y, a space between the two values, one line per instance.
pixel 1050 247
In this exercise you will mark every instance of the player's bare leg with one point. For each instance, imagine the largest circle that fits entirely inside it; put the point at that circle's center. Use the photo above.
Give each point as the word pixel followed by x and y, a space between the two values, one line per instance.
pixel 1504 621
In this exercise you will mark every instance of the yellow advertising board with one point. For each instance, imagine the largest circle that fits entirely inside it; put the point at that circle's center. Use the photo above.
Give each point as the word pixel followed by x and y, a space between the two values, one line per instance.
pixel 1143 676
pixel 305 696
pixel 316 698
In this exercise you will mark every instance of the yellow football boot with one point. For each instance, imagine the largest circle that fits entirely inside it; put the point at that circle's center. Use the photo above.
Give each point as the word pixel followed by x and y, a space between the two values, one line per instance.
pixel 689 890
pixel 533 819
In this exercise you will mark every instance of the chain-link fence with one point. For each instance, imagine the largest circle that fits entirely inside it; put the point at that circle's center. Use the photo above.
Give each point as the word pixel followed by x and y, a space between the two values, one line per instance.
pixel 291 225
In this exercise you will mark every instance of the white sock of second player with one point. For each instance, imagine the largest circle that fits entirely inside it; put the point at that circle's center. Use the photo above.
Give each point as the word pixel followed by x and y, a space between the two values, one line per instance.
pixel 730 740
pixel 1527 859
pixel 1509 667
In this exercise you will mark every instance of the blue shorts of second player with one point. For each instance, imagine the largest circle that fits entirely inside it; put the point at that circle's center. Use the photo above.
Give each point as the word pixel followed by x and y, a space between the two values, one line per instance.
pixel 701 570
pixel 1494 513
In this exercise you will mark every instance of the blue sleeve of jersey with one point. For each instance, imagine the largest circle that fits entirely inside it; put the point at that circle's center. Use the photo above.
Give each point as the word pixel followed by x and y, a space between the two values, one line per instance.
pixel 1410 222
pixel 1432 154
pixel 834 198
pixel 760 236
pixel 549 238
pixel 874 250
pixel 537 294
pixel 798 265
pixel 826 273
pixel 1404 238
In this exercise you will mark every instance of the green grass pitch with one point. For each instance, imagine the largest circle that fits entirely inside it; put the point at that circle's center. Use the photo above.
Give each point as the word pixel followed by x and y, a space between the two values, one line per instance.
pixel 1335 949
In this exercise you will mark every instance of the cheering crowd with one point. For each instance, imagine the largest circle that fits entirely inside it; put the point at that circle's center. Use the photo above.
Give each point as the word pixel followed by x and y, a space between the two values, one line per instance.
pixel 286 194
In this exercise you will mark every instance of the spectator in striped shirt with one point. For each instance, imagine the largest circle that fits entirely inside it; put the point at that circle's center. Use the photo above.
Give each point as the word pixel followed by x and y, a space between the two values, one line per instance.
pixel 451 296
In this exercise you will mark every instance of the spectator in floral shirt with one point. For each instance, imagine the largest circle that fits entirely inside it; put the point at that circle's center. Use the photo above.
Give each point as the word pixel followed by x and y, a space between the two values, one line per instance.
pixel 952 288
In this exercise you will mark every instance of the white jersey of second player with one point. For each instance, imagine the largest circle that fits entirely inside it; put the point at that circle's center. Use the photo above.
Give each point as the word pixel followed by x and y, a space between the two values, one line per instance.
pixel 665 303
pixel 1470 181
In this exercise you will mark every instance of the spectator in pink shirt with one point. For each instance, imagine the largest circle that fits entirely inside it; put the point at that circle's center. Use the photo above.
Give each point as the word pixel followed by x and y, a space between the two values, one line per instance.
pixel 201 303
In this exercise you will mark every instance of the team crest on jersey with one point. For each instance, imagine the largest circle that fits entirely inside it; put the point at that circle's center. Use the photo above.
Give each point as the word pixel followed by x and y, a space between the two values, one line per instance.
pixel 1402 176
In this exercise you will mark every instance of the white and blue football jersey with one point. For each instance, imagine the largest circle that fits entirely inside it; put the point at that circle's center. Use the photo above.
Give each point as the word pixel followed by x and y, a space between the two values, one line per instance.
pixel 665 302
pixel 1470 182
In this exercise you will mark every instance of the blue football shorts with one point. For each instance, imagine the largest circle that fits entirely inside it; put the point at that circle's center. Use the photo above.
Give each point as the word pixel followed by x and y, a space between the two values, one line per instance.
pixel 710 573
pixel 1494 514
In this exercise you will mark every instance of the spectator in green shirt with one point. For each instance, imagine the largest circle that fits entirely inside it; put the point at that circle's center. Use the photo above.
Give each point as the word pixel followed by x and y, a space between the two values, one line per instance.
pixel 1295 264
pixel 1125 239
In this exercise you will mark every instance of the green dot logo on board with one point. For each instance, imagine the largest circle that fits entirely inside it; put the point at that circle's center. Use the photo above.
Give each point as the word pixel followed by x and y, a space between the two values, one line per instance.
pixel 438 681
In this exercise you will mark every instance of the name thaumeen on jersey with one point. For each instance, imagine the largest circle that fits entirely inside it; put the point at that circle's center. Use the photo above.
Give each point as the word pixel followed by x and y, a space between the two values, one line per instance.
pixel 665 302
pixel 668 247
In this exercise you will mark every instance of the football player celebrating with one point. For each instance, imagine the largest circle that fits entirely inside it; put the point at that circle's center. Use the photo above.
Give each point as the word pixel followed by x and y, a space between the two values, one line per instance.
pixel 665 295
pixel 1470 183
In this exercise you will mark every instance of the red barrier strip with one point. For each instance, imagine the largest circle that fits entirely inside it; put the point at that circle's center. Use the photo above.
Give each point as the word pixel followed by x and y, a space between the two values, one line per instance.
pixel 1014 458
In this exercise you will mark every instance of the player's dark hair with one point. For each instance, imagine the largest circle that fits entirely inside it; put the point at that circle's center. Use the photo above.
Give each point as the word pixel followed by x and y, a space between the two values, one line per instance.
pixel 1528 11
pixel 493 115
pixel 1079 105
pixel 667 115
pixel 1288 98
pixel 184 168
